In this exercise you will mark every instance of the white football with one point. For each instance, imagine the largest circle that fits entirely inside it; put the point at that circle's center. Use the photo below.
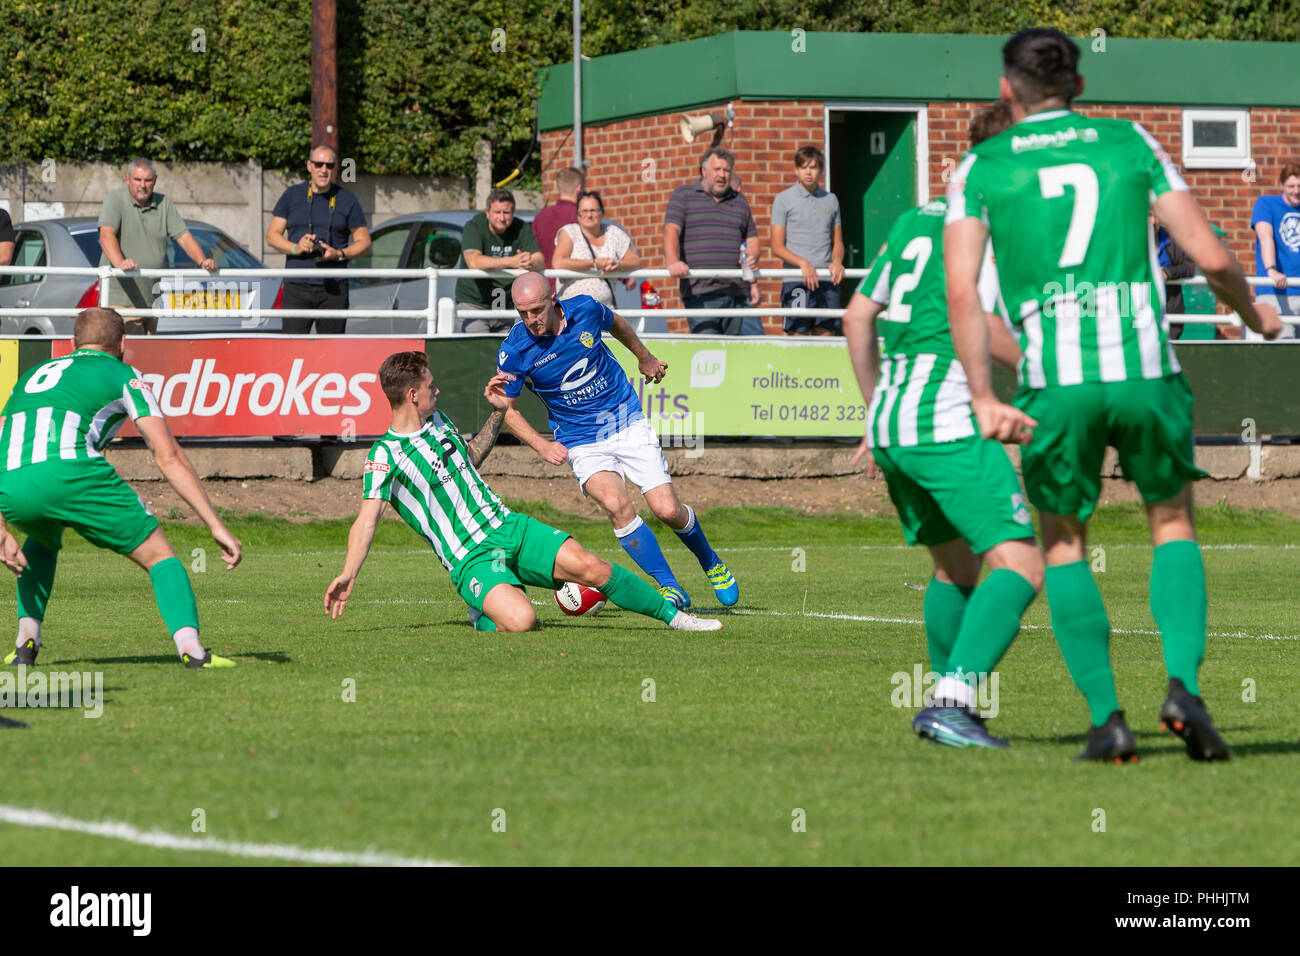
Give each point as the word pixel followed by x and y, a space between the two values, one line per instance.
pixel 577 599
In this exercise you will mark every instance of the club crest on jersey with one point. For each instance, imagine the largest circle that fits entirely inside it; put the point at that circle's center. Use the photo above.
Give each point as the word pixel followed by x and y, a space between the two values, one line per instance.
pixel 375 466
pixel 587 339
pixel 1020 510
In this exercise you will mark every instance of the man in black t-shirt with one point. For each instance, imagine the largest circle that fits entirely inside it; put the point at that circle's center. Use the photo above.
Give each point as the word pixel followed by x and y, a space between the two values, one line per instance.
pixel 6 239
pixel 317 225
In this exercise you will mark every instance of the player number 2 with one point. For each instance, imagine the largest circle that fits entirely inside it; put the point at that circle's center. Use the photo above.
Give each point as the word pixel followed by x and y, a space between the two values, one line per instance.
pixel 1083 217
pixel 918 250
pixel 47 376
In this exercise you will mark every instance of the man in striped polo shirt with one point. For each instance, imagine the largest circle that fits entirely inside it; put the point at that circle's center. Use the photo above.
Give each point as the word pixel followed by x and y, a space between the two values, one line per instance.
pixel 705 225
pixel 425 470
pixel 59 417
pixel 955 492
pixel 1064 198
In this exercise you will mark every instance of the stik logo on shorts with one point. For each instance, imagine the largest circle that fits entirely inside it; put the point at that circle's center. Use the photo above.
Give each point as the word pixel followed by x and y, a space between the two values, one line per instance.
pixel 475 587
pixel 1020 510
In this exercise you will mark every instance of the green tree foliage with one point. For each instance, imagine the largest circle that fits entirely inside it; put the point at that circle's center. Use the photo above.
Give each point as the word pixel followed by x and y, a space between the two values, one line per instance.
pixel 420 82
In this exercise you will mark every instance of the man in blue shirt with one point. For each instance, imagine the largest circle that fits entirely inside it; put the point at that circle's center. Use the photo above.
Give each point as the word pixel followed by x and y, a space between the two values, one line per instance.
pixel 317 225
pixel 1276 222
pixel 595 415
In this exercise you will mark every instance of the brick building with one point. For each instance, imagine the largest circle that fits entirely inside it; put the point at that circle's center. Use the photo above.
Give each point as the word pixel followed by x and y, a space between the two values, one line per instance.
pixel 891 113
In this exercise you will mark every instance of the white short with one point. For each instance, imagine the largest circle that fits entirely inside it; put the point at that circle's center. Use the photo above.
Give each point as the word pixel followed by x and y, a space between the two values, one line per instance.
pixel 633 454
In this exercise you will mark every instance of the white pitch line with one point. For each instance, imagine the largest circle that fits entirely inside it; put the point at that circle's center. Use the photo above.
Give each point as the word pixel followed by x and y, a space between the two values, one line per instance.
pixel 167 841
pixel 1025 627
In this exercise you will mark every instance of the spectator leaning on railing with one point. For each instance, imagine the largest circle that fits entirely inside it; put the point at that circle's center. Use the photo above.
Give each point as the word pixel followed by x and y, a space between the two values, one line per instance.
pixel 705 225
pixel 591 243
pixel 317 225
pixel 1276 222
pixel 135 225
pixel 494 239
pixel 806 234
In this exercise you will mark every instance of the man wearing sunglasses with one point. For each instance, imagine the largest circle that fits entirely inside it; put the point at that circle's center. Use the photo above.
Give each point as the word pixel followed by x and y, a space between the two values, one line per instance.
pixel 317 225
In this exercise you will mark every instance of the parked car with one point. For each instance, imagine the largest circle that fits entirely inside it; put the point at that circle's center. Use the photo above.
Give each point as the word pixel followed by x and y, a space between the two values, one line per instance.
pixel 75 242
pixel 421 240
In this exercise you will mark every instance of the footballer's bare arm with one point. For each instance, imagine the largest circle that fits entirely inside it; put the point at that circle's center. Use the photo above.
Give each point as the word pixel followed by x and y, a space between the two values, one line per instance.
pixel 360 537
pixel 180 474
pixel 551 451
pixel 652 368
pixel 482 443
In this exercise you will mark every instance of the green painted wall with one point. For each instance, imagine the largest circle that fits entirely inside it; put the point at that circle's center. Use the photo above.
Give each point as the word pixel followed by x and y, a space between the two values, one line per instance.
pixel 915 68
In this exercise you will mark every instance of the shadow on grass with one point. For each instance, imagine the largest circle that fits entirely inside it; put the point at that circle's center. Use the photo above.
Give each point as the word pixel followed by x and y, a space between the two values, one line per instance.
pixel 273 657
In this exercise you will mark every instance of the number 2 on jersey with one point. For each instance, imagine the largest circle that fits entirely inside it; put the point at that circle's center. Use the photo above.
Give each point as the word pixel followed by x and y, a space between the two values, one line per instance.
pixel 1052 180
pixel 919 250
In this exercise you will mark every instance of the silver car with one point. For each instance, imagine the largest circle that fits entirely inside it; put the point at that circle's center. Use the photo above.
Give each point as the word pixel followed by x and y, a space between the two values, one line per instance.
pixel 419 241
pixel 75 242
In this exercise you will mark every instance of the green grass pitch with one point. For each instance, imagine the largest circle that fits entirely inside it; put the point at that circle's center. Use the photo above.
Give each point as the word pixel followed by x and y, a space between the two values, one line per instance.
pixel 790 708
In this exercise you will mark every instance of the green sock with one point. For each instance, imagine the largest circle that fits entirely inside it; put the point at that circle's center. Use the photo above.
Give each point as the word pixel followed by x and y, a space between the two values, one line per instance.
pixel 175 596
pixel 944 606
pixel 1180 607
pixel 484 623
pixel 628 591
pixel 991 623
pixel 37 580
pixel 1083 633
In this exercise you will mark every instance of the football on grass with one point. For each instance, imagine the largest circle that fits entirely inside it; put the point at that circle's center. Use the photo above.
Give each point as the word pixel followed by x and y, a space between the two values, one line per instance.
pixel 577 599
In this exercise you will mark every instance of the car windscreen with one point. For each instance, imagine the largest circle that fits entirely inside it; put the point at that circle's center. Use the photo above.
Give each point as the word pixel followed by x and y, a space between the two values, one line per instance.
pixel 219 246
pixel 88 243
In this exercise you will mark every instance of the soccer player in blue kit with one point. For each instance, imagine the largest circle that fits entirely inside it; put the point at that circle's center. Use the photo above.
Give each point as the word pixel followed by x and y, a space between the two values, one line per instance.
pixel 599 428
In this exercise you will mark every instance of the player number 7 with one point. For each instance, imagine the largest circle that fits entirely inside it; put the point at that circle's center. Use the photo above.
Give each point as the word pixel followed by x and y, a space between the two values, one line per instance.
pixel 1052 180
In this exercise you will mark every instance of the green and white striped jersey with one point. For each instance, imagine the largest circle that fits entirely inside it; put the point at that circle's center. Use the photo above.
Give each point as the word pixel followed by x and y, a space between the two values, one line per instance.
pixel 68 409
pixel 428 478
pixel 921 397
pixel 1065 198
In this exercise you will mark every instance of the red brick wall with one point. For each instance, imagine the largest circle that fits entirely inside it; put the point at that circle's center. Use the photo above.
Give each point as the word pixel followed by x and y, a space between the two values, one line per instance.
pixel 1226 195
pixel 635 165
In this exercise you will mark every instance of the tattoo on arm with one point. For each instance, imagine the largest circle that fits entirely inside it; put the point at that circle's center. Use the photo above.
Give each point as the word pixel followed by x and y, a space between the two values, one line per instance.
pixel 482 443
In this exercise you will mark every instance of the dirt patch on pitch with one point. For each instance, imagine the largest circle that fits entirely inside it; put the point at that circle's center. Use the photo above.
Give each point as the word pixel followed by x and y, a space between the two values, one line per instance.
pixel 853 494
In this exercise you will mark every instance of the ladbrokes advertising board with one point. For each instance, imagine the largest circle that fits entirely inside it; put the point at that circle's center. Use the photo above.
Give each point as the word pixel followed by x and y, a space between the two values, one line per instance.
pixel 265 386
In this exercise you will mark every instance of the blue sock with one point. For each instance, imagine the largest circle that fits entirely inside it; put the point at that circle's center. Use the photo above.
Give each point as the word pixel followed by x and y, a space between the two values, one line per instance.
pixel 643 547
pixel 693 537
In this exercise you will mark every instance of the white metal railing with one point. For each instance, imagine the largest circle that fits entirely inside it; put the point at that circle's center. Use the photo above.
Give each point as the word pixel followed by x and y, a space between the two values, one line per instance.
pixel 440 315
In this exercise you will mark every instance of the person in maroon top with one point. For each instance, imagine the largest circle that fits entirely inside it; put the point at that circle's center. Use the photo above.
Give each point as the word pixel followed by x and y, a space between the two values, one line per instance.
pixel 548 223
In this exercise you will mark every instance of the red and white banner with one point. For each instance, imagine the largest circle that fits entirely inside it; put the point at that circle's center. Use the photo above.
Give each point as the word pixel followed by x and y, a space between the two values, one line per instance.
pixel 264 386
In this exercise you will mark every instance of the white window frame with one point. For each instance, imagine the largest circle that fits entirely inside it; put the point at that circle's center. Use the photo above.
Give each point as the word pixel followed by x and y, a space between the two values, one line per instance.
pixel 1217 157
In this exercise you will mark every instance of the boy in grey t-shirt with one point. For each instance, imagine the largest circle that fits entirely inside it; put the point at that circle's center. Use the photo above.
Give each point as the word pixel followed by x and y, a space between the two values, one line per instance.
pixel 806 234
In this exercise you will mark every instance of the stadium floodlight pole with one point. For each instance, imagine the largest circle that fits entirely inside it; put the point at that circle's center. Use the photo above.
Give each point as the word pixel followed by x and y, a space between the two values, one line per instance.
pixel 577 85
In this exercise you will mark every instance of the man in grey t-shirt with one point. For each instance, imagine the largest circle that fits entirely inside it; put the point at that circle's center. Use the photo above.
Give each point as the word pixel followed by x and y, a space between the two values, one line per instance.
pixel 806 234
pixel 135 226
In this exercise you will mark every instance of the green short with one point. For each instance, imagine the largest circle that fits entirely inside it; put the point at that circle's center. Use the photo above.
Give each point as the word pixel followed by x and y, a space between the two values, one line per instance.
pixel 962 489
pixel 86 496
pixel 520 552
pixel 1148 421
